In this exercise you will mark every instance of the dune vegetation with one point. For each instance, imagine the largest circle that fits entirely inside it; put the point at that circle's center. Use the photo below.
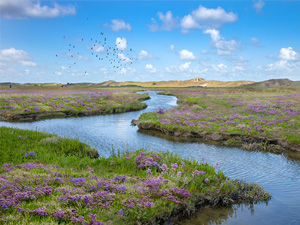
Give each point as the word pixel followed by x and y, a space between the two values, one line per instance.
pixel 254 118
pixel 46 179
pixel 27 104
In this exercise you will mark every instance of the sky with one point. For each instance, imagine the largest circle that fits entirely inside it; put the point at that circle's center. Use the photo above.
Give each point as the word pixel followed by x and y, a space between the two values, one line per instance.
pixel 66 41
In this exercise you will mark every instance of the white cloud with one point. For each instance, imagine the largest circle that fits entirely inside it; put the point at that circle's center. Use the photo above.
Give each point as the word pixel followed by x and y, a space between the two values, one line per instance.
pixel 238 68
pixel 288 54
pixel 63 68
pixel 280 65
pixel 98 48
pixel 123 71
pixel 13 56
pixel 254 41
pixel 129 70
pixel 168 22
pixel 220 68
pixel 28 63
pixel 186 70
pixel 258 6
pixel 123 58
pixel 103 70
pixel 188 23
pixel 150 68
pixel 57 73
pixel 22 9
pixel 203 18
pixel 118 24
pixel 185 66
pixel 186 55
pixel 221 43
pixel 121 43
pixel 221 52
pixel 172 48
pixel 27 72
pixel 145 55
pixel 288 63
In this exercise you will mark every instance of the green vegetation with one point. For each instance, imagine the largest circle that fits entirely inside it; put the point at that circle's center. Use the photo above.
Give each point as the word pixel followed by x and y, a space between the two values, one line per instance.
pixel 253 112
pixel 45 179
pixel 36 103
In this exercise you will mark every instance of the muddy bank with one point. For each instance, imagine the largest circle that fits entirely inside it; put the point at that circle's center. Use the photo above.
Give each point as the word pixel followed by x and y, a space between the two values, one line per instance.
pixel 245 193
pixel 236 140
pixel 29 117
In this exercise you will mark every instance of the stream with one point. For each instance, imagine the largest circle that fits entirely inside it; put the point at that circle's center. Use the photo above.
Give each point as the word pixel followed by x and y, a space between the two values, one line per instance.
pixel 279 174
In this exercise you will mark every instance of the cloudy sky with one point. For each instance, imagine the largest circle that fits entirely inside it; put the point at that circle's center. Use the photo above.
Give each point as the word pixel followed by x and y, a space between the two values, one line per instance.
pixel 94 41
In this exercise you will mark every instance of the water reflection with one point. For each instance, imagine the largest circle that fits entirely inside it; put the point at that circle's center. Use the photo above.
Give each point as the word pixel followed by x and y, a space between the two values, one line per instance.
pixel 220 215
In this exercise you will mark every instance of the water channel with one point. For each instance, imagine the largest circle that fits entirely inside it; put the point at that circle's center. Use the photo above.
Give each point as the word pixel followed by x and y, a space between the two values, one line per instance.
pixel 277 173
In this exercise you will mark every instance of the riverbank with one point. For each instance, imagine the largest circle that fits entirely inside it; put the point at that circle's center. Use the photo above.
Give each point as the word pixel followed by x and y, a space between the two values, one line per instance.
pixel 264 119
pixel 59 180
pixel 37 104
pixel 234 140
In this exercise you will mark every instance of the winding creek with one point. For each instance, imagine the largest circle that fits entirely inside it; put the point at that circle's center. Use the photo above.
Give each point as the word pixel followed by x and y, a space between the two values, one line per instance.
pixel 278 174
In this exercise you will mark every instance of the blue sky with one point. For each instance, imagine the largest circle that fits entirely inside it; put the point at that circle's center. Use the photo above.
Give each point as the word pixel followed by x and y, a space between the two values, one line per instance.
pixel 148 40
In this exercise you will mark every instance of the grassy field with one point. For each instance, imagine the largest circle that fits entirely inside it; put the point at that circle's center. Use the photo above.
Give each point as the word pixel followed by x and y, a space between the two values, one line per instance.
pixel 45 179
pixel 35 103
pixel 259 112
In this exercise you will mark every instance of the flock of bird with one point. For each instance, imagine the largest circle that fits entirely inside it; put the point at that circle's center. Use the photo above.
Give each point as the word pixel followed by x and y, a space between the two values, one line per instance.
pixel 114 58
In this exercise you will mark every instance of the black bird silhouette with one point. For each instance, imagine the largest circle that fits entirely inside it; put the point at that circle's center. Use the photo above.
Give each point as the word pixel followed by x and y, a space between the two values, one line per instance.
pixel 101 33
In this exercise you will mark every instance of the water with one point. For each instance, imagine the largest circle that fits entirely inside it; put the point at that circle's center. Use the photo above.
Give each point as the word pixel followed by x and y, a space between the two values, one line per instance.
pixel 277 173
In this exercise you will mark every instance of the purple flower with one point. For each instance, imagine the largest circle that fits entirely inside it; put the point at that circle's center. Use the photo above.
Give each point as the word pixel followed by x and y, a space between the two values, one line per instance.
pixel 206 180
pixel 164 167
pixel 156 156
pixel 31 154
pixel 59 214
pixel 39 211
pixel 149 204
pixel 90 170
pixel 36 108
pixel 121 178
pixel 174 165
pixel 160 111
pixel 121 213
pixel 149 171
pixel 179 174
pixel 218 191
pixel 180 192
pixel 197 172
pixel 78 181
pixel 25 155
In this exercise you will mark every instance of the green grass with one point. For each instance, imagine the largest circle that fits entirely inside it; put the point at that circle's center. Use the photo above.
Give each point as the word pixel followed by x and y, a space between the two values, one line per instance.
pixel 70 168
pixel 37 104
pixel 272 113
